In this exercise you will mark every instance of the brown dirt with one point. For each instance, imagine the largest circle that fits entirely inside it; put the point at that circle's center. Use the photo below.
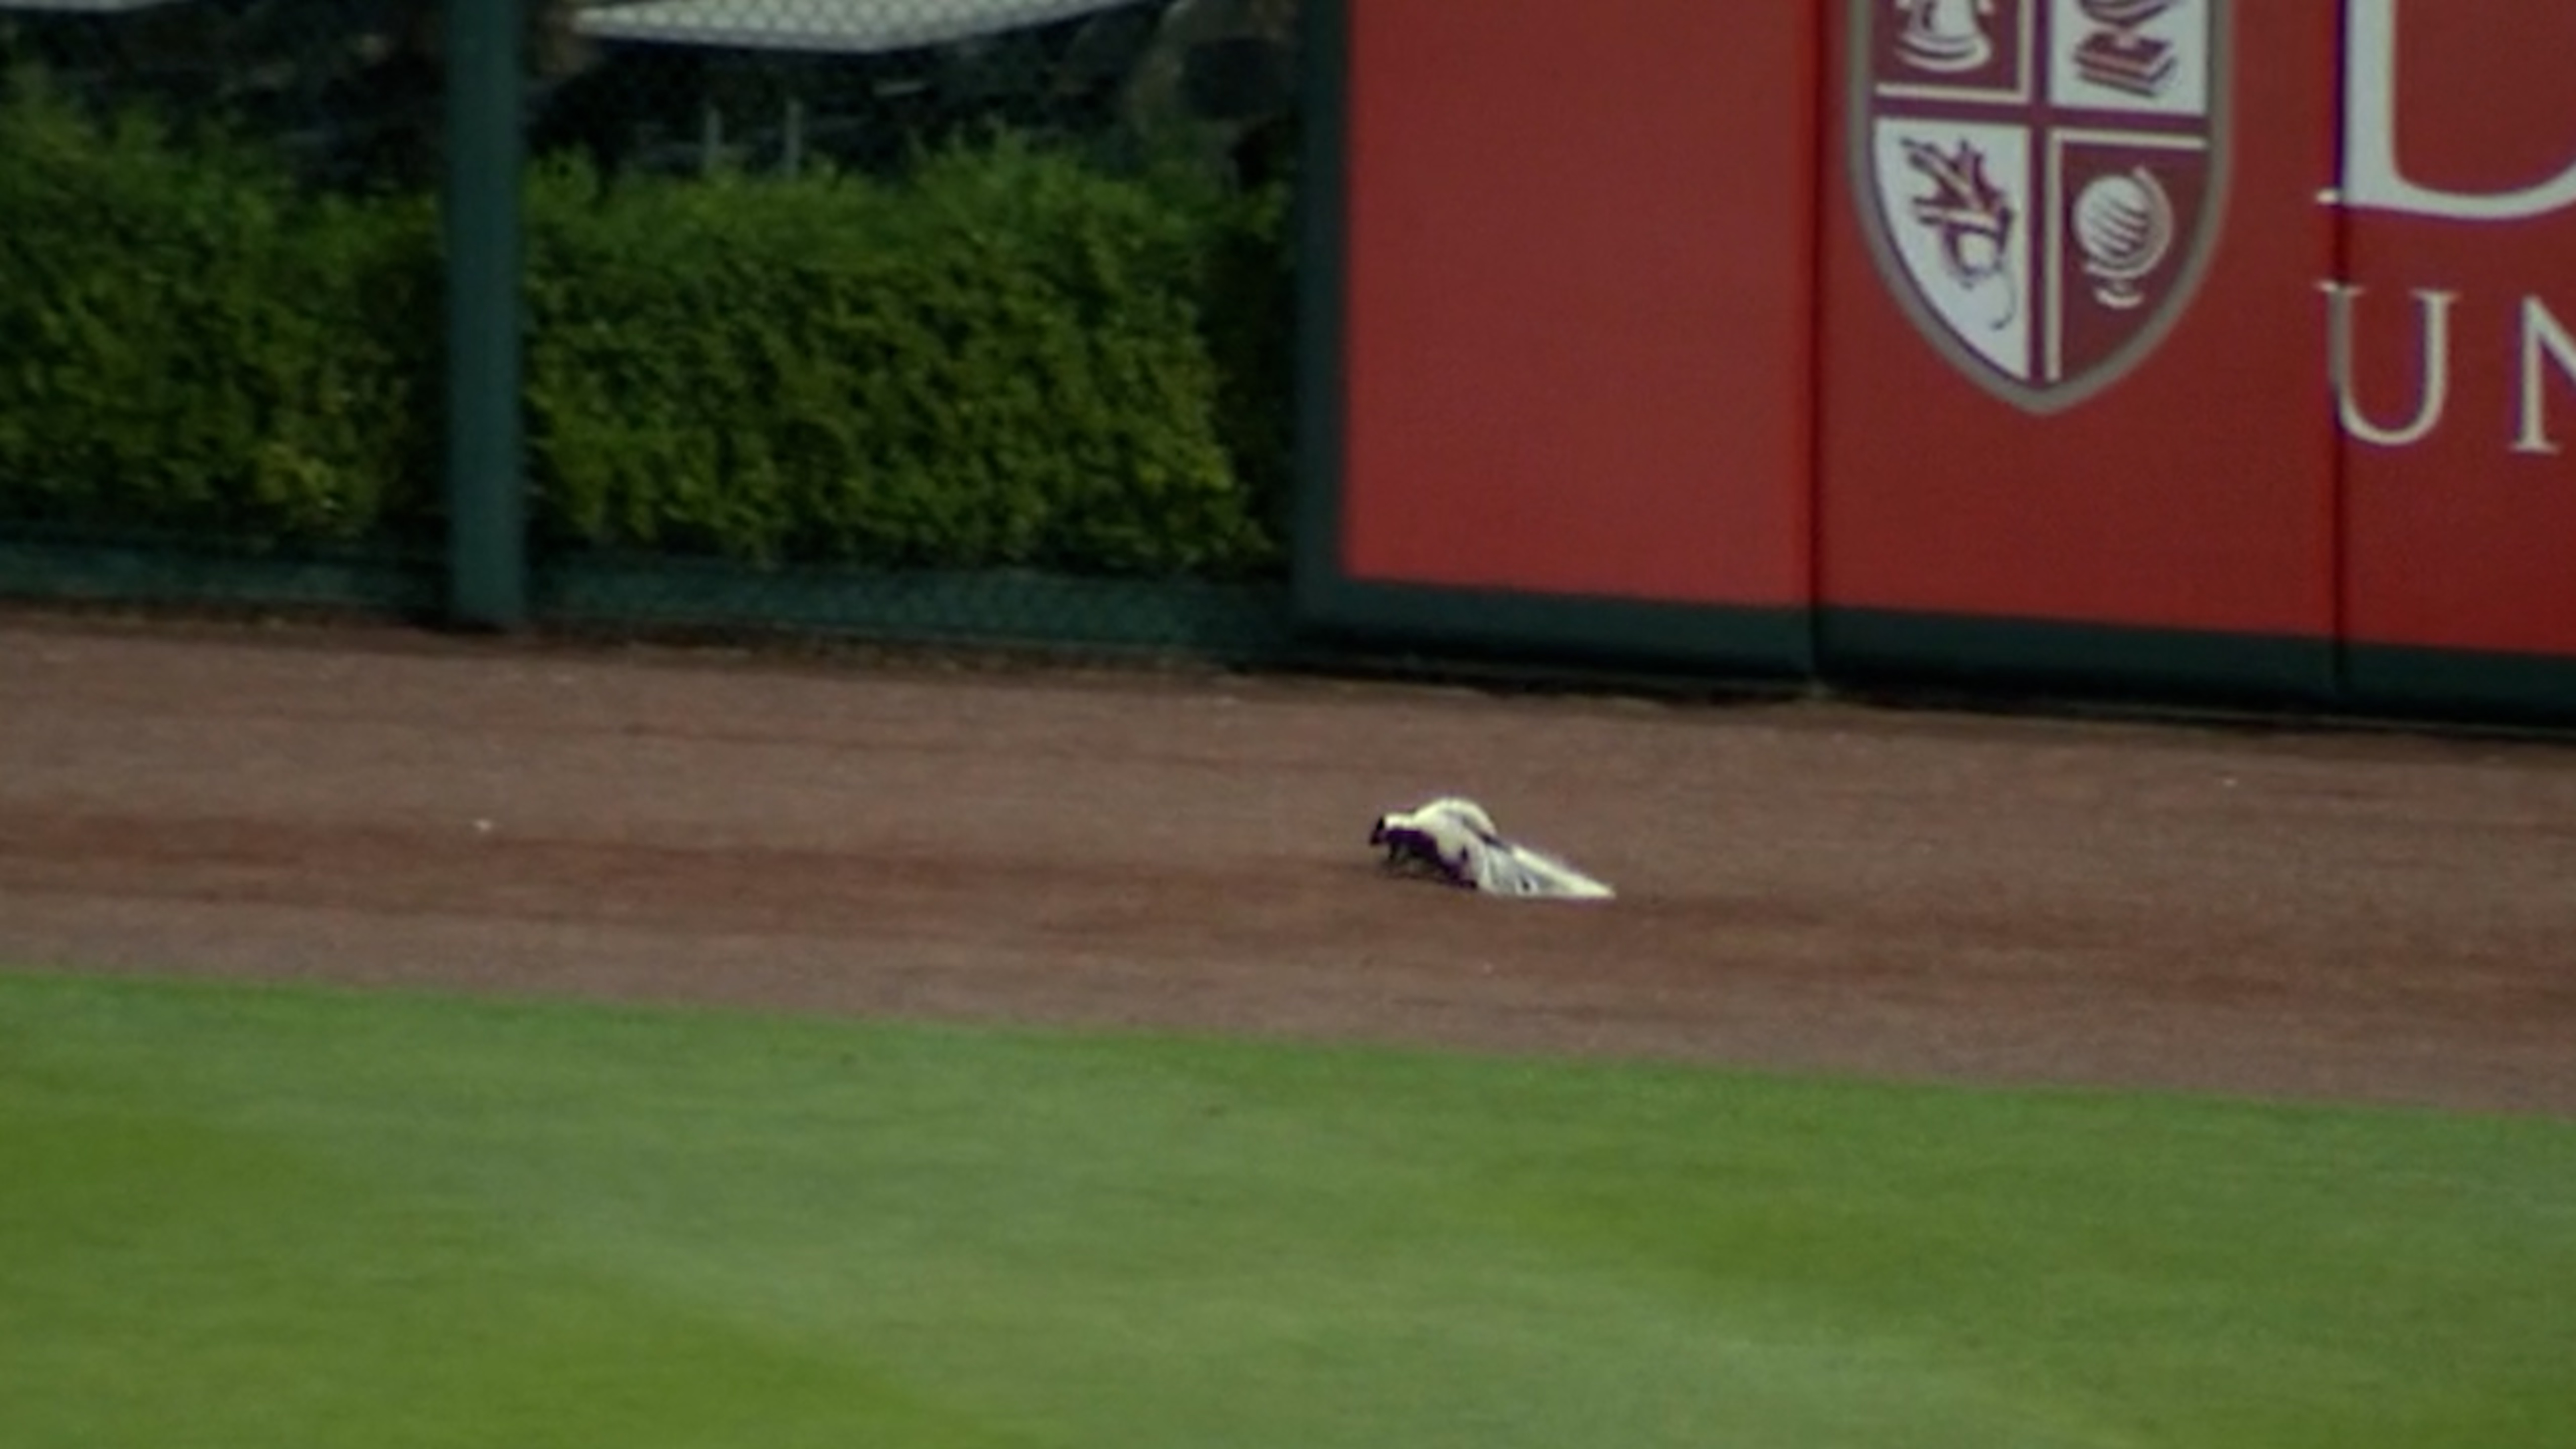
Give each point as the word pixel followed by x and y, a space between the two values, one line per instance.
pixel 2370 918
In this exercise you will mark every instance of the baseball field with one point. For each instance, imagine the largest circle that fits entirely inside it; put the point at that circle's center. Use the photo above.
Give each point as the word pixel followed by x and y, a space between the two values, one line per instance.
pixel 407 1043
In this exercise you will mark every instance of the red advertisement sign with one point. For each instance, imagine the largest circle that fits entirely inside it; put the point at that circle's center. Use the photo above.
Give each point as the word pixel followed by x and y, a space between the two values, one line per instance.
pixel 2451 329
pixel 1578 297
pixel 2246 318
pixel 2069 333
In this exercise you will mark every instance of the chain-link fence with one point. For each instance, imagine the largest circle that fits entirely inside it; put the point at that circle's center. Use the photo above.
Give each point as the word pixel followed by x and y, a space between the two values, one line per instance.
pixel 218 293
pixel 779 86
pixel 942 318
pixel 901 307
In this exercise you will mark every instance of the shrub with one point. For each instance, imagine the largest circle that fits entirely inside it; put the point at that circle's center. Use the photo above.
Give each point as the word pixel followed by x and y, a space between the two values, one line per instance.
pixel 1004 360
pixel 995 363
pixel 195 348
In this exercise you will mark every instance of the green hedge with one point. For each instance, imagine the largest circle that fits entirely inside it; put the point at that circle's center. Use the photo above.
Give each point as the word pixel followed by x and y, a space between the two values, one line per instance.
pixel 1009 359
pixel 192 348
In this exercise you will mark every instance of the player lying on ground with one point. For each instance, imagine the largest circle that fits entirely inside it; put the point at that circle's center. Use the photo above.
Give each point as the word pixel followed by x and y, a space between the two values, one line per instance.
pixel 1454 840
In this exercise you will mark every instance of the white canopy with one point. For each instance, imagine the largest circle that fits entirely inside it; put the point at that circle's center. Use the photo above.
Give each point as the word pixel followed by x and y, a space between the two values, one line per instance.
pixel 832 27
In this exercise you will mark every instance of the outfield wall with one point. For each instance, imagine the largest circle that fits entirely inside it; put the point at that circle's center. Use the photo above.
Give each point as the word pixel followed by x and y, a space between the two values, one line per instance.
pixel 2231 355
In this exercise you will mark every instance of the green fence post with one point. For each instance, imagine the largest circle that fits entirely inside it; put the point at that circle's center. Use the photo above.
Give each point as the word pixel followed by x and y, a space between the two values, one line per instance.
pixel 486 496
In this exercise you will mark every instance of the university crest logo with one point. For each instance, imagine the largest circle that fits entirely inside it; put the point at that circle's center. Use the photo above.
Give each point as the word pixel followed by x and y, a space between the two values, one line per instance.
pixel 2041 181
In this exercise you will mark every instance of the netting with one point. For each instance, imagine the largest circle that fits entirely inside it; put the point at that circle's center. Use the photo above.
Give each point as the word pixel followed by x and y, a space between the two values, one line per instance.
pixel 218 244
pixel 346 88
pixel 973 292
pixel 779 86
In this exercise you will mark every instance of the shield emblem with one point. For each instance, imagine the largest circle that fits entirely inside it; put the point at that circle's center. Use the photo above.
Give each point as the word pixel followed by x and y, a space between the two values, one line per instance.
pixel 2040 181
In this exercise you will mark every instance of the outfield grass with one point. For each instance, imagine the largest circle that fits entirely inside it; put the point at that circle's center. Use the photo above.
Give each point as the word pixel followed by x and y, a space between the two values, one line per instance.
pixel 279 1219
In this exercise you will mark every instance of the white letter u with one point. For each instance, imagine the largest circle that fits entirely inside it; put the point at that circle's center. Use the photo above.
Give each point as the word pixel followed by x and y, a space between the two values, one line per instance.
pixel 2435 398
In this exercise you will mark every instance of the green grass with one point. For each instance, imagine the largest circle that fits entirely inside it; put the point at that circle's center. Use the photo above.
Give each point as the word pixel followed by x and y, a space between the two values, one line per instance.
pixel 288 1218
